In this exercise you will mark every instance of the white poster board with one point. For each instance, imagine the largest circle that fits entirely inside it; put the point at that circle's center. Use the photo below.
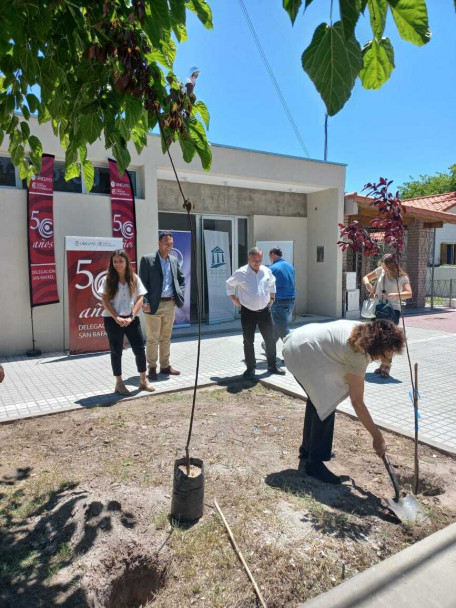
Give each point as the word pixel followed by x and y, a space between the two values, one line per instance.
pixel 218 270
pixel 287 248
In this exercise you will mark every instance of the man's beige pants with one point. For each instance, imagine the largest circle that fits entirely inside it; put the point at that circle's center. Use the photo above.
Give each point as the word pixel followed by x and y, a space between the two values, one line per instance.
pixel 159 328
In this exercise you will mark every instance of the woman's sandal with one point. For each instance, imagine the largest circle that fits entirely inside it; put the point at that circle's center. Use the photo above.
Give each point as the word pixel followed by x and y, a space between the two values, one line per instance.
pixel 146 386
pixel 121 389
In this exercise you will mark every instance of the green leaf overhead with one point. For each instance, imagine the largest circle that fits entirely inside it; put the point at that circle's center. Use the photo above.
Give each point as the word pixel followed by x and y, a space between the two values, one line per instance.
pixel 90 127
pixel 99 69
pixel 333 63
pixel 292 7
pixel 411 20
pixel 377 12
pixel 88 173
pixel 378 60
pixel 334 59
pixel 350 11
pixel 200 109
pixel 202 10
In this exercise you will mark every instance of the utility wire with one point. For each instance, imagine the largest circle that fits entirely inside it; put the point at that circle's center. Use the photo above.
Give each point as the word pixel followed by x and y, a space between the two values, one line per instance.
pixel 273 79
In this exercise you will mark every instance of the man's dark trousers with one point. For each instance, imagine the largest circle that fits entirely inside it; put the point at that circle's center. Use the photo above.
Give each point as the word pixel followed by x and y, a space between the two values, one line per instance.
pixel 249 321
pixel 317 435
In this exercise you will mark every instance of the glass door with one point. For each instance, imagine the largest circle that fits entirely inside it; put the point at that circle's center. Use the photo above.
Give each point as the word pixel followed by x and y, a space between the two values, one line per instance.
pixel 219 262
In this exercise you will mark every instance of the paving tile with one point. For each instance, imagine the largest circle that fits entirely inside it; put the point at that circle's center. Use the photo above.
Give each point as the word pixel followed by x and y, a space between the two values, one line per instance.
pixel 56 382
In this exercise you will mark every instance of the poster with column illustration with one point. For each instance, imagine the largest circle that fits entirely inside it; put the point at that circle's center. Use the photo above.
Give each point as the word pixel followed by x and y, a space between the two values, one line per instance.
pixel 182 250
pixel 218 270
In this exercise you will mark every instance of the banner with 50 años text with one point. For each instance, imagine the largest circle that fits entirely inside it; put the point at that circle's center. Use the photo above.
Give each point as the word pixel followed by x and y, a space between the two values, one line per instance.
pixel 123 209
pixel 87 264
pixel 40 221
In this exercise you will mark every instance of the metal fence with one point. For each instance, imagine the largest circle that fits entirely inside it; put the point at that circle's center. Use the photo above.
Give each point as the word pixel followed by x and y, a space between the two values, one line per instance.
pixel 440 292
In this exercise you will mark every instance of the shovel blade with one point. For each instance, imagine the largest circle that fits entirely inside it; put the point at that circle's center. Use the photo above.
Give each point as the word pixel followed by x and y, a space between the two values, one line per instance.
pixel 407 509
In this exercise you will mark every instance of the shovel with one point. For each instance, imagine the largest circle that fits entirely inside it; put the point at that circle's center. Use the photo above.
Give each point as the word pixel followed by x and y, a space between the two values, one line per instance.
pixel 407 508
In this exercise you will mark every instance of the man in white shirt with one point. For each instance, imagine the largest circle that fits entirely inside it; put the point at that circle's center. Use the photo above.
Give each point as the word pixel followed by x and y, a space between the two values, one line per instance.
pixel 255 286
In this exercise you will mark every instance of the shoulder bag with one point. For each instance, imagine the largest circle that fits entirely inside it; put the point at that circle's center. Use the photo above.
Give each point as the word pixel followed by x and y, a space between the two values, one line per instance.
pixel 384 310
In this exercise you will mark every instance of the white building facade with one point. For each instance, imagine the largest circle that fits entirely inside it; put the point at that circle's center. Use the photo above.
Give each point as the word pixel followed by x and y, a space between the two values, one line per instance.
pixel 253 196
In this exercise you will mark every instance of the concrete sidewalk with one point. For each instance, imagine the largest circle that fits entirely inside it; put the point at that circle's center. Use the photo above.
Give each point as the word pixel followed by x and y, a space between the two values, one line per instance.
pixel 56 383
pixel 420 576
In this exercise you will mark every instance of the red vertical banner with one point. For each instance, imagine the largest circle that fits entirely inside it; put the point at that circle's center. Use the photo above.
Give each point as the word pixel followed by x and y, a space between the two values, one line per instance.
pixel 87 265
pixel 40 220
pixel 123 209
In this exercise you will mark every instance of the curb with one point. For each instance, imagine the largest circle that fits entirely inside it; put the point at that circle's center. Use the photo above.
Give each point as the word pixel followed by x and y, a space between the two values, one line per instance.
pixel 421 576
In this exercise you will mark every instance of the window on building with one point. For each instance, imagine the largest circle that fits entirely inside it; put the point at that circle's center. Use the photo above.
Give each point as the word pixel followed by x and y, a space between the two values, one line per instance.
pixel 243 239
pixel 448 253
pixel 60 185
pixel 101 183
pixel 7 172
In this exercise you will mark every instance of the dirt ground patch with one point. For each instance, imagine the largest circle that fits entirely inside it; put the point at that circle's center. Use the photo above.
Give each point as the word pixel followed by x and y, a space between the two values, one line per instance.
pixel 85 497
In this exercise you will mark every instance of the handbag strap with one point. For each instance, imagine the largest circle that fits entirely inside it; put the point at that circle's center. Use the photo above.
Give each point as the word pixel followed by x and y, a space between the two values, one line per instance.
pixel 383 287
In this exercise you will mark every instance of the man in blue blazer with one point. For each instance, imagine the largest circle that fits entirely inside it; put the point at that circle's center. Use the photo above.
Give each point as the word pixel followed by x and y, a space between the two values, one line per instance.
pixel 164 280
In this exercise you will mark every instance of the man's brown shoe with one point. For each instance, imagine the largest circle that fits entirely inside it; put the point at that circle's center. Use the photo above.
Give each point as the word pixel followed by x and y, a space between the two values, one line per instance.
pixel 152 373
pixel 169 370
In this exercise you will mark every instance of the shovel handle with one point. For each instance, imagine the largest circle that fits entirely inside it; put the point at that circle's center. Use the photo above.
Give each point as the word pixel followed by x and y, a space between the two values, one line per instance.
pixel 389 468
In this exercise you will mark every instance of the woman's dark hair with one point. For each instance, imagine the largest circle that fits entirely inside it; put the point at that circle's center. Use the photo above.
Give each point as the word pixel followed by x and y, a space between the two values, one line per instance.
pixel 377 338
pixel 393 269
pixel 112 278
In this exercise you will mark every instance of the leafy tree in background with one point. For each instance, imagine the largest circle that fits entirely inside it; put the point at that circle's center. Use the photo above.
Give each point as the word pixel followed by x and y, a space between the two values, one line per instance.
pixel 98 70
pixel 428 185
pixel 334 58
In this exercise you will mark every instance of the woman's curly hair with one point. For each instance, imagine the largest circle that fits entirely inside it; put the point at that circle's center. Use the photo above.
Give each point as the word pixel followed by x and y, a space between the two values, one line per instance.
pixel 377 338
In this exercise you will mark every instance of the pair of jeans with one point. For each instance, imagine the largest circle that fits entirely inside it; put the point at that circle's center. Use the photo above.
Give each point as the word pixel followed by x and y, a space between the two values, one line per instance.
pixel 249 321
pixel 281 311
pixel 317 435
pixel 116 335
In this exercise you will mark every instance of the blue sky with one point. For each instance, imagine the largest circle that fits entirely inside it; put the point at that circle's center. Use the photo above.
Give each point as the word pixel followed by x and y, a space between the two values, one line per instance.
pixel 406 128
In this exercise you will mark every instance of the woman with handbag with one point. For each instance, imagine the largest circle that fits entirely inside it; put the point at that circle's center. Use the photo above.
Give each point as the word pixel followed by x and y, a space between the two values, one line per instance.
pixel 387 277
pixel 122 294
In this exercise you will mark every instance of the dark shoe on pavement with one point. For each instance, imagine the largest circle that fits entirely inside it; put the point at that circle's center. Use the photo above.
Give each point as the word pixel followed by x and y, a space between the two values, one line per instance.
pixel 276 370
pixel 248 374
pixel 169 370
pixel 321 472
pixel 152 373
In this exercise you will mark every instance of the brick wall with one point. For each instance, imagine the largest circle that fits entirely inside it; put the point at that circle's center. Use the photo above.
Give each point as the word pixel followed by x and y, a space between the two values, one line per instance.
pixel 417 253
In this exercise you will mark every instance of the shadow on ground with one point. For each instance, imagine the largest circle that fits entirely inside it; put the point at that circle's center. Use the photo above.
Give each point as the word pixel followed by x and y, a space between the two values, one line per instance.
pixel 374 378
pixel 39 537
pixel 345 500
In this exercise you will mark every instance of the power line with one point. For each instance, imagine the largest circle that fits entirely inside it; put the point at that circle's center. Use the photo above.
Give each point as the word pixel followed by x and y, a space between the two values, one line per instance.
pixel 273 79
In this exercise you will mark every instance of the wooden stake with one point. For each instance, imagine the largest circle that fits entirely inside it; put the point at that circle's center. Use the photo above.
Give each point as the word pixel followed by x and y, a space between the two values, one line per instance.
pixel 241 558
pixel 415 408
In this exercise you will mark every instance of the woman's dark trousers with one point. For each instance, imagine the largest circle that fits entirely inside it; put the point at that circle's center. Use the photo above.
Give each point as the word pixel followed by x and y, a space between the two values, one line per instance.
pixel 317 435
pixel 249 321
pixel 116 335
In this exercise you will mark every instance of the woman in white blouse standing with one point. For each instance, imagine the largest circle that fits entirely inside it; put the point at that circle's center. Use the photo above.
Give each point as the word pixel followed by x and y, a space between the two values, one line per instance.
pixel 388 276
pixel 122 294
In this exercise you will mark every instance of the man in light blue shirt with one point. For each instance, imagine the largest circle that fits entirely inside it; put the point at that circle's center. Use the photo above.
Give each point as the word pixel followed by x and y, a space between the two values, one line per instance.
pixel 284 275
